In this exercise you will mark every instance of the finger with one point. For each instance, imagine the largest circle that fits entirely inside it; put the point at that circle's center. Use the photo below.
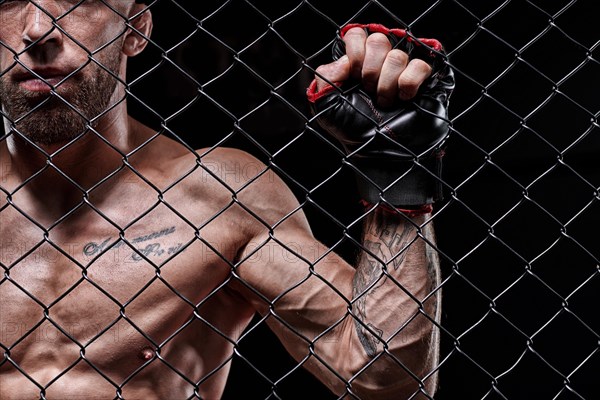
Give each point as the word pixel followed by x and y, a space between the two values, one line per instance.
pixel 377 48
pixel 337 71
pixel 416 72
pixel 387 87
pixel 354 41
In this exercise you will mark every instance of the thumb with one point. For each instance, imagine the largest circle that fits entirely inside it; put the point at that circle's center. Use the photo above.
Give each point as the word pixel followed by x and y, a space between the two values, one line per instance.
pixel 337 71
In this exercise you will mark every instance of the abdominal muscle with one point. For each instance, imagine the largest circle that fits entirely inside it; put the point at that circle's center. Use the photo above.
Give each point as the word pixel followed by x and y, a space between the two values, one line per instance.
pixel 122 363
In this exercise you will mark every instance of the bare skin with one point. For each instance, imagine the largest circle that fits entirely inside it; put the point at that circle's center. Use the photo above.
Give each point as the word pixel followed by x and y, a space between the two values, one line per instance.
pixel 139 285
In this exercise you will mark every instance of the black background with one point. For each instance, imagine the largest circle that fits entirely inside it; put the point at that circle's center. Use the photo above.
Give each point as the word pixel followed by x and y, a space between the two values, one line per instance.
pixel 518 226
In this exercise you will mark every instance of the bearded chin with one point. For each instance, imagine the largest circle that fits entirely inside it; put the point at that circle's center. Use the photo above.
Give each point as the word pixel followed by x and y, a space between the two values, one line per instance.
pixel 52 119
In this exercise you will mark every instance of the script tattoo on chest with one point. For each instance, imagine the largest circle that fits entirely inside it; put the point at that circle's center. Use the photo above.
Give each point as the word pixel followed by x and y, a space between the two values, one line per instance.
pixel 146 246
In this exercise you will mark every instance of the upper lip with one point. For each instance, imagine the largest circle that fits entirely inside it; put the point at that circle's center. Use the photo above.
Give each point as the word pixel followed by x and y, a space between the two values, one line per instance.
pixel 44 73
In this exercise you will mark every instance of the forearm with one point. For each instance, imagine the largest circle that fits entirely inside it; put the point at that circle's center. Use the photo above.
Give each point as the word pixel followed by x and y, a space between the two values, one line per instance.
pixel 393 127
pixel 396 299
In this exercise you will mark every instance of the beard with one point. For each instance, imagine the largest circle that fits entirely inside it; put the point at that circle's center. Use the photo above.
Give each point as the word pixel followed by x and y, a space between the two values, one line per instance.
pixel 46 118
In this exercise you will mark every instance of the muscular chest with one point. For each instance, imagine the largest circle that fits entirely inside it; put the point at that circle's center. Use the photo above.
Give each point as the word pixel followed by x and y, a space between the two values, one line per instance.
pixel 91 285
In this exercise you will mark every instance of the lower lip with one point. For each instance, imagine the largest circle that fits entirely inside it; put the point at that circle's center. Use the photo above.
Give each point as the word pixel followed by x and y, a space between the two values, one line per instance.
pixel 38 85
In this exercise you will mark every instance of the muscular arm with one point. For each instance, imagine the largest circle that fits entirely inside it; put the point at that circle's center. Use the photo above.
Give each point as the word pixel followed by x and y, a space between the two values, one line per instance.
pixel 371 330
pixel 364 330
pixel 396 298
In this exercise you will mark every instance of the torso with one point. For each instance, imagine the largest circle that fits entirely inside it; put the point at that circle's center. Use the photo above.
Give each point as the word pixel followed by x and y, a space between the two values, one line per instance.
pixel 84 315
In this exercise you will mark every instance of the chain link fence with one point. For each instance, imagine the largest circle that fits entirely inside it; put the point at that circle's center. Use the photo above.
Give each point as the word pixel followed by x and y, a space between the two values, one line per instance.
pixel 516 231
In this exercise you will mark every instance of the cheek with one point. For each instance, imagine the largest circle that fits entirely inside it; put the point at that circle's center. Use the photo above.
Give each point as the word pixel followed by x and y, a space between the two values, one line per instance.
pixel 6 62
pixel 93 27
pixel 10 35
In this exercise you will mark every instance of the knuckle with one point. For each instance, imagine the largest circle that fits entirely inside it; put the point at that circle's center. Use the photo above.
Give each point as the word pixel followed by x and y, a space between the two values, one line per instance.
pixel 421 66
pixel 408 84
pixel 322 74
pixel 325 73
pixel 379 40
pixel 370 74
pixel 355 33
pixel 387 91
pixel 397 58
pixel 323 70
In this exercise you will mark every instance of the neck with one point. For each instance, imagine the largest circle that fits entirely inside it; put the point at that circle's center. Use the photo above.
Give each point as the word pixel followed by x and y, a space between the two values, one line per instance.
pixel 60 172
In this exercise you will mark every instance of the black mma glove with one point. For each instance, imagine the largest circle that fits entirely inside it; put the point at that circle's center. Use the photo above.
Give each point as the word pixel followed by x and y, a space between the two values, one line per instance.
pixel 396 150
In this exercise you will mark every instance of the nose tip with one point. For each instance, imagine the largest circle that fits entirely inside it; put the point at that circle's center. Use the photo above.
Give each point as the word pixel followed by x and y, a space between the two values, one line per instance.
pixel 40 25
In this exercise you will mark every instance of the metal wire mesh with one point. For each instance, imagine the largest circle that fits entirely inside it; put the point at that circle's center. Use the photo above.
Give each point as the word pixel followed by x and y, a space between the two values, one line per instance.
pixel 515 232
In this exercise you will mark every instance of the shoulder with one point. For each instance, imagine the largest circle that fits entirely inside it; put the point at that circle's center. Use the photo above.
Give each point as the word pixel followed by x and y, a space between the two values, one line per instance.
pixel 220 179
pixel 252 183
pixel 233 179
pixel 235 168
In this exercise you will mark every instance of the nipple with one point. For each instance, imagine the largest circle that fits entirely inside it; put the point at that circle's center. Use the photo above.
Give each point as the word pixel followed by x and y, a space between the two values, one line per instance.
pixel 146 354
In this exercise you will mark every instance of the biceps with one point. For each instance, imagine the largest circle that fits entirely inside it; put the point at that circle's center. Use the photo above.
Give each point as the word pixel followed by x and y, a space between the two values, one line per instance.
pixel 295 276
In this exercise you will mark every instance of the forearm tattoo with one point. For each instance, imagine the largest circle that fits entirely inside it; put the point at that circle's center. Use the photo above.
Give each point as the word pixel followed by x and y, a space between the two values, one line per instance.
pixel 385 242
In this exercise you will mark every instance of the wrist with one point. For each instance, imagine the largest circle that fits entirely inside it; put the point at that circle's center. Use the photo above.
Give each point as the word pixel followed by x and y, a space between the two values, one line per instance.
pixel 409 211
pixel 407 184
